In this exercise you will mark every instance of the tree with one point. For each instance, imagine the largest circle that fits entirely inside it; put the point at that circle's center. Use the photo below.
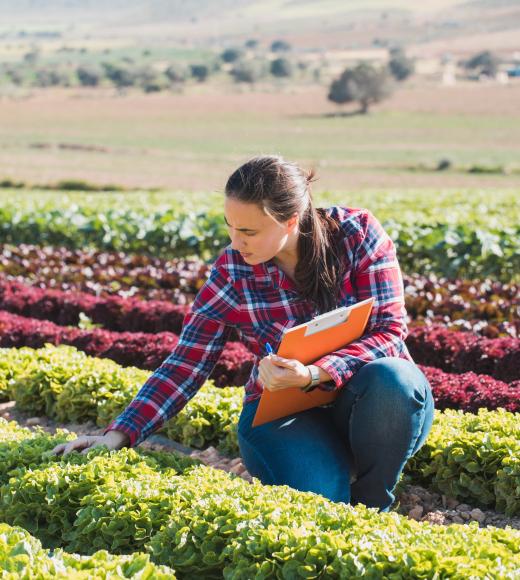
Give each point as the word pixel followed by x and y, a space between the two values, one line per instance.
pixel 176 73
pixel 484 62
pixel 15 76
pixel 364 84
pixel 89 76
pixel 280 46
pixel 249 71
pixel 232 54
pixel 281 67
pixel 121 75
pixel 199 72
pixel 149 79
pixel 32 57
pixel 51 77
pixel 251 43
pixel 154 85
pixel 400 66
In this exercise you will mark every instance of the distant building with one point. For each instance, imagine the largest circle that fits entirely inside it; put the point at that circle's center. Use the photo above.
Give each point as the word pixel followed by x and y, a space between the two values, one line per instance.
pixel 338 60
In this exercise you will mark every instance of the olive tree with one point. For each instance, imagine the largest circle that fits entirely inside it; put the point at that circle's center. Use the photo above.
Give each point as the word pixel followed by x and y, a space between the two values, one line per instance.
pixel 484 62
pixel 281 67
pixel 400 66
pixel 364 83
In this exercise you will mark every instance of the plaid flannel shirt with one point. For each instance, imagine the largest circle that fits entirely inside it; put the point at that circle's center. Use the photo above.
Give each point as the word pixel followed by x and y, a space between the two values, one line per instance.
pixel 260 301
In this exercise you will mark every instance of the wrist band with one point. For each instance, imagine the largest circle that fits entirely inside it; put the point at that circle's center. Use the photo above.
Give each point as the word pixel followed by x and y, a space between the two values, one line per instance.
pixel 315 378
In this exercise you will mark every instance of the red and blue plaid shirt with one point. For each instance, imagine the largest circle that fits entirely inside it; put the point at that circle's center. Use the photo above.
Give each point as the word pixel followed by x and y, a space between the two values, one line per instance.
pixel 260 301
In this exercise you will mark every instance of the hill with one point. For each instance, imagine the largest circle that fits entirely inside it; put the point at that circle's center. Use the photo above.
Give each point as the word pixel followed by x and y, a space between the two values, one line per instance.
pixel 430 27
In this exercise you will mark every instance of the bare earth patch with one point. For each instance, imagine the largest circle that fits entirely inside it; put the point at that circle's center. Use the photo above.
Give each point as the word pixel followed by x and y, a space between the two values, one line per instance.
pixel 193 141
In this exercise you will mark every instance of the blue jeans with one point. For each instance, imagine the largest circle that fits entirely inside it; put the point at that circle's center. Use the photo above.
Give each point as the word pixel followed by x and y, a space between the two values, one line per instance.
pixel 352 450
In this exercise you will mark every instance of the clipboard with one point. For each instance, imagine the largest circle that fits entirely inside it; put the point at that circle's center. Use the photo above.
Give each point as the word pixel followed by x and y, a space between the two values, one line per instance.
pixel 307 343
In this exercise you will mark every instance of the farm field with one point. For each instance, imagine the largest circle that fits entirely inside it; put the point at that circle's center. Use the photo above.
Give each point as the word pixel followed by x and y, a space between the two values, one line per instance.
pixel 88 309
pixel 162 140
pixel 111 215
pixel 120 123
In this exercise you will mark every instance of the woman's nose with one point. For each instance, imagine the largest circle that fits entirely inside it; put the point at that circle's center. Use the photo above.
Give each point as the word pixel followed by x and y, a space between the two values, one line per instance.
pixel 236 242
pixel 238 246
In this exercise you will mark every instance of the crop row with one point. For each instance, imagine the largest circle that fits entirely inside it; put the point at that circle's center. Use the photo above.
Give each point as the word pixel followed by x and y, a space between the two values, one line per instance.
pixel 177 280
pixel 65 384
pixel 473 457
pixel 22 556
pixel 206 523
pixel 487 307
pixel 454 250
pixel 466 391
pixel 460 205
pixel 490 308
pixel 101 272
pixel 451 351
pixel 459 352
pixel 146 351
pixel 470 391
pixel 112 312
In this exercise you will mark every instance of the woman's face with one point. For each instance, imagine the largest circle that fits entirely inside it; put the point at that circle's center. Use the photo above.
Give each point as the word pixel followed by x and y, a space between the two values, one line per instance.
pixel 254 233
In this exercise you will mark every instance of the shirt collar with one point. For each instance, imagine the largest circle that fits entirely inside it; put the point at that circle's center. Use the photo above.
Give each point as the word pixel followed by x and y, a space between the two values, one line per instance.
pixel 269 273
pixel 264 274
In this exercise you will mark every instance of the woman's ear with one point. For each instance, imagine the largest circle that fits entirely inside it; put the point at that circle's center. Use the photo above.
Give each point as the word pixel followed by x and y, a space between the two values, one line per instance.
pixel 292 222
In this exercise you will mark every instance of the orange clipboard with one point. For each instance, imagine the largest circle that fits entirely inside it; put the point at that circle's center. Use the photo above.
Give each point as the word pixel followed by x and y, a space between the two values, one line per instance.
pixel 307 343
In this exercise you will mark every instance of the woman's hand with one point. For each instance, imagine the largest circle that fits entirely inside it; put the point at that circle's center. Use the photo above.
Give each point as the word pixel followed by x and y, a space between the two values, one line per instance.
pixel 277 373
pixel 113 440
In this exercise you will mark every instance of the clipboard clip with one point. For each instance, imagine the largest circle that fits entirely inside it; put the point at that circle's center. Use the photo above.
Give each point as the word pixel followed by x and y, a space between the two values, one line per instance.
pixel 327 320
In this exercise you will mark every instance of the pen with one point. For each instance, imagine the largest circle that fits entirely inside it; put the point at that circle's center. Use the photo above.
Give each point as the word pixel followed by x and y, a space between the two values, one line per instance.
pixel 269 348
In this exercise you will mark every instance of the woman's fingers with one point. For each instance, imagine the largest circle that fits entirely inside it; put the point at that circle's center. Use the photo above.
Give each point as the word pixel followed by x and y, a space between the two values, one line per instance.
pixel 87 449
pixel 59 448
pixel 77 444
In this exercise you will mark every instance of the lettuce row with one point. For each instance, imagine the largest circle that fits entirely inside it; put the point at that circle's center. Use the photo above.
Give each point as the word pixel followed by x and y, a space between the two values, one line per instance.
pixel 22 556
pixel 473 457
pixel 203 522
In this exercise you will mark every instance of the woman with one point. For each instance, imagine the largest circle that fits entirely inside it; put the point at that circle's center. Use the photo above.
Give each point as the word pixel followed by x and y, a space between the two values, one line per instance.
pixel 287 262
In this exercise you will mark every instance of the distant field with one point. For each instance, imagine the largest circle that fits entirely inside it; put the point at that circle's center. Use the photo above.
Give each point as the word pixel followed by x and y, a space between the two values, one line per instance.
pixel 97 50
pixel 286 9
pixel 421 26
pixel 194 141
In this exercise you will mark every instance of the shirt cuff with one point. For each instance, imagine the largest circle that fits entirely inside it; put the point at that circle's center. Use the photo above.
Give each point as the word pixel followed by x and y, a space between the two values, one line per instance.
pixel 336 367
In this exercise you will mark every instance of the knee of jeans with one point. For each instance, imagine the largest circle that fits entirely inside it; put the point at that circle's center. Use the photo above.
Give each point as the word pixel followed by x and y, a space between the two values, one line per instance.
pixel 394 377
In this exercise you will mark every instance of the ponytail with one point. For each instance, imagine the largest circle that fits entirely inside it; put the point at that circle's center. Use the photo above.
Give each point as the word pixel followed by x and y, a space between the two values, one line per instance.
pixel 320 268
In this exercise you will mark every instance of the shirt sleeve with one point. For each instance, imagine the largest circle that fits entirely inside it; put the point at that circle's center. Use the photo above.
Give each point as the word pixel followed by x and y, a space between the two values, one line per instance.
pixel 377 274
pixel 205 330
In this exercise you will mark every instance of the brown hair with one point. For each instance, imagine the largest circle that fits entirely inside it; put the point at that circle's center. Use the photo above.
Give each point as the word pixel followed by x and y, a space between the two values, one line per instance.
pixel 281 188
